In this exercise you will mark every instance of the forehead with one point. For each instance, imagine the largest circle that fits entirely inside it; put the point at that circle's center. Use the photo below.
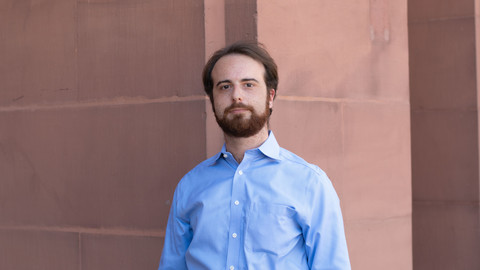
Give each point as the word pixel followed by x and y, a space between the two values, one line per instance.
pixel 237 67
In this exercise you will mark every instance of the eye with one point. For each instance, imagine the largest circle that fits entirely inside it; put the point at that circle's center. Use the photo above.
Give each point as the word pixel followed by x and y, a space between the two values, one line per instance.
pixel 249 85
pixel 225 87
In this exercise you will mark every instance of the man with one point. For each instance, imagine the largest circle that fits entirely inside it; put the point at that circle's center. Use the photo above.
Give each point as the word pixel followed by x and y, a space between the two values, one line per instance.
pixel 254 205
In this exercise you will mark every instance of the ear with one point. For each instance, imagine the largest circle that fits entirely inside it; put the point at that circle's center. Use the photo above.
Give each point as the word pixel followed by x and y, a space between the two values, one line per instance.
pixel 271 97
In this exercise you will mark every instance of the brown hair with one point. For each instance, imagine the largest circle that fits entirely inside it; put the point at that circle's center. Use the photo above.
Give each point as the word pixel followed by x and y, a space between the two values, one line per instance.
pixel 252 49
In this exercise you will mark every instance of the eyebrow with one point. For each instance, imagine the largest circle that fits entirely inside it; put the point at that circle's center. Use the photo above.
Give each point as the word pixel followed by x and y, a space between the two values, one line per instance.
pixel 249 79
pixel 242 80
pixel 224 81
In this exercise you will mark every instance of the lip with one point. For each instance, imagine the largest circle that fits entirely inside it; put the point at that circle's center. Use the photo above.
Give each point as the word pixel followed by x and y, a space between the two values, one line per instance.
pixel 238 110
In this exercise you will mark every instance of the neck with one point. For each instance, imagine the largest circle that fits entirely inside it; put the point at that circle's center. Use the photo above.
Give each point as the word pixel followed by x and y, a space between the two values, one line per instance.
pixel 238 146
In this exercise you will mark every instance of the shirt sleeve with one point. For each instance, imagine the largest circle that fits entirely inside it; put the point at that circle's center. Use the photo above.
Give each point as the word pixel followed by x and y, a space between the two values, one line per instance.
pixel 323 231
pixel 177 240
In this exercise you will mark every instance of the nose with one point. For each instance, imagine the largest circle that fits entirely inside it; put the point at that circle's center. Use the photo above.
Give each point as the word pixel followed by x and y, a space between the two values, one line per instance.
pixel 237 94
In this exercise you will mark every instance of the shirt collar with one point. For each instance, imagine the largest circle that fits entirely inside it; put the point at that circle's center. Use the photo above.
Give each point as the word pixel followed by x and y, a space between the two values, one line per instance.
pixel 269 148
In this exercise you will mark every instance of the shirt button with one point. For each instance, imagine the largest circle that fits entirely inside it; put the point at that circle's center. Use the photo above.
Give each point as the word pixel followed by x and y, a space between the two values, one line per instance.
pixel 225 155
pixel 236 202
pixel 240 172
pixel 234 235
pixel 231 267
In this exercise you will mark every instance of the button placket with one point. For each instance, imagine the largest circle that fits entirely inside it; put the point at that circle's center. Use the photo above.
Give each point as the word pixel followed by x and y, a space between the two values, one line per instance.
pixel 235 227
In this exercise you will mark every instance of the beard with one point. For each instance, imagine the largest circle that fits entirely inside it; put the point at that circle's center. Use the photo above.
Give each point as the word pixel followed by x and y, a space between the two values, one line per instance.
pixel 239 125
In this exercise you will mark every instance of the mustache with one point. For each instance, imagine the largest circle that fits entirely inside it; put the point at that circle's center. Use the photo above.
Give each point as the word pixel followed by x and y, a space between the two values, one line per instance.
pixel 238 106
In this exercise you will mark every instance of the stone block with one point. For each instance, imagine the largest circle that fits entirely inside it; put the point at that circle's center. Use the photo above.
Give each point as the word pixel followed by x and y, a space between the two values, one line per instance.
pixel 121 252
pixel 380 244
pixel 377 164
pixel 442 61
pixel 37 52
pixel 348 49
pixel 446 235
pixel 424 10
pixel 445 155
pixel 97 167
pixel 25 250
pixel 147 48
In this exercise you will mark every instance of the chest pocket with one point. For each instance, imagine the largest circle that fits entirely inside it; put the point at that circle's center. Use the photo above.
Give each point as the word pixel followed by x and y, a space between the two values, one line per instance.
pixel 271 229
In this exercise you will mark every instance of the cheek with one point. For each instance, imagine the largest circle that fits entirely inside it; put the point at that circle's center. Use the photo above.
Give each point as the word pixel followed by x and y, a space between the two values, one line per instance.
pixel 260 102
pixel 218 107
pixel 219 99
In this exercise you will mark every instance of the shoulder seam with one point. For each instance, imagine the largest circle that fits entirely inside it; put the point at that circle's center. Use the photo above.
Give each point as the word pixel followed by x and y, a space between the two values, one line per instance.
pixel 303 162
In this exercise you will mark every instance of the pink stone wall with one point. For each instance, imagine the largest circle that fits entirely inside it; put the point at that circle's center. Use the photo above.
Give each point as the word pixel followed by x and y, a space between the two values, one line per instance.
pixel 102 111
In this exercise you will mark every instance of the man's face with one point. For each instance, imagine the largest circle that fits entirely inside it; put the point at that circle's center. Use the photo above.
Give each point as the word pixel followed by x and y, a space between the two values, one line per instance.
pixel 240 100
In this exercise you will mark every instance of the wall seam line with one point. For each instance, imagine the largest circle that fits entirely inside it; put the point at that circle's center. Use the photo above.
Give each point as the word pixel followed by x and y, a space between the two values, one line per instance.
pixel 446 202
pixel 440 19
pixel 80 251
pixel 92 231
pixel 339 100
pixel 120 101
pixel 377 220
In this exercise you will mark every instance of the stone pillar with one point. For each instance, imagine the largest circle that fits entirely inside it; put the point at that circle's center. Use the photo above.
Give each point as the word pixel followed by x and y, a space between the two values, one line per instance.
pixel 444 115
pixel 343 104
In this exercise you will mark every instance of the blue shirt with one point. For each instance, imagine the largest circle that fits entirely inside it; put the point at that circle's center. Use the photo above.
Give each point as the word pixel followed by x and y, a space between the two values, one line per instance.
pixel 271 211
